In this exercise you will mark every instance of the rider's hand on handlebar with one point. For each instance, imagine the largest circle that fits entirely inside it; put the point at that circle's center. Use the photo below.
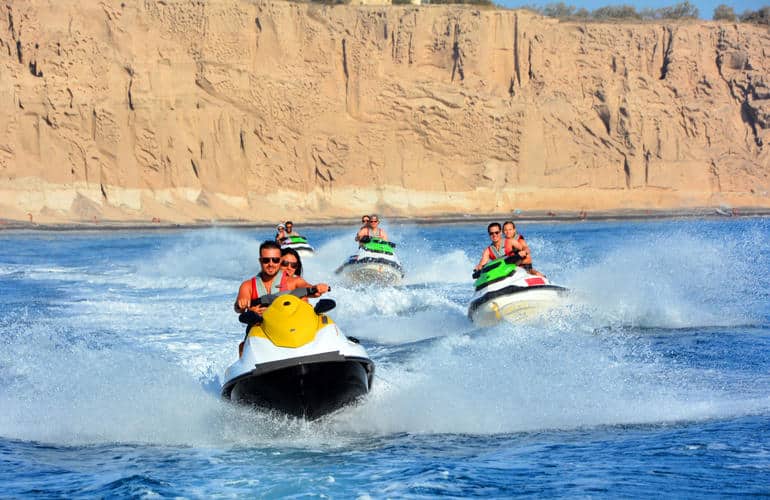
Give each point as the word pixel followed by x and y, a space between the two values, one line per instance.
pixel 243 304
pixel 320 289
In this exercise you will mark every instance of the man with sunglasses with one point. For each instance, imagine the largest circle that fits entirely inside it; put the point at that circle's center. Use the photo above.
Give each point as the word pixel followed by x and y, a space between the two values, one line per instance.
pixel 290 229
pixel 496 249
pixel 270 280
pixel 372 230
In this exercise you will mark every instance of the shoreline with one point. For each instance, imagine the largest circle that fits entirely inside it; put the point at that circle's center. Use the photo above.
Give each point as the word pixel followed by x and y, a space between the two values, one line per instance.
pixel 528 216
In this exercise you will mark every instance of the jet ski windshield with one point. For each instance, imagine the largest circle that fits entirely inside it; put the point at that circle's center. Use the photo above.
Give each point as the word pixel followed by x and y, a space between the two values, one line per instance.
pixel 496 270
pixel 377 245
pixel 295 239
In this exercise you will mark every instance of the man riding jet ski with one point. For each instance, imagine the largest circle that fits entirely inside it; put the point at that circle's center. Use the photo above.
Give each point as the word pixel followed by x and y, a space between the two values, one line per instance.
pixel 295 360
pixel 375 261
pixel 505 290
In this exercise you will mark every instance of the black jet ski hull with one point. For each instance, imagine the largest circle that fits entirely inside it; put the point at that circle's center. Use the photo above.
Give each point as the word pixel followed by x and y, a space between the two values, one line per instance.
pixel 309 387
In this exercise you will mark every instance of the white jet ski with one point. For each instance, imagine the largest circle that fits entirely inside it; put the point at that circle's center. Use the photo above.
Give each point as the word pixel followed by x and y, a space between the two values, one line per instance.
pixel 295 360
pixel 375 262
pixel 300 244
pixel 505 291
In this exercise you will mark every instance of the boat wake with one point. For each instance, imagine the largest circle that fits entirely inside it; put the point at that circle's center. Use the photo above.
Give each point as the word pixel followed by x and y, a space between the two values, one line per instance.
pixel 134 354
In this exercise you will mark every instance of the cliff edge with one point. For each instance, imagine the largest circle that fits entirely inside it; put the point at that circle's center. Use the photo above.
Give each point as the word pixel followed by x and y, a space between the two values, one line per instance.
pixel 259 110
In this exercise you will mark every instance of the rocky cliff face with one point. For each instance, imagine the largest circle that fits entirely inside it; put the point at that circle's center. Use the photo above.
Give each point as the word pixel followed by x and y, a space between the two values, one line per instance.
pixel 189 110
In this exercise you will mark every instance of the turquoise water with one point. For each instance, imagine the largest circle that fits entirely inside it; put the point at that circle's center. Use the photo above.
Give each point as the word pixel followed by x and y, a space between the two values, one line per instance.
pixel 654 378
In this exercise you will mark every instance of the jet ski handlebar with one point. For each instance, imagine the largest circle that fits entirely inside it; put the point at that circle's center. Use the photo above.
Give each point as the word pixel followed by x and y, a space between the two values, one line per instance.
pixel 510 259
pixel 367 239
pixel 251 318
pixel 301 293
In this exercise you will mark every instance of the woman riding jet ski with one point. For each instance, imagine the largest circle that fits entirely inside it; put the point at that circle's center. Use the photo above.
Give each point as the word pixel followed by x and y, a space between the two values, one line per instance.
pixel 295 360
pixel 375 261
pixel 504 290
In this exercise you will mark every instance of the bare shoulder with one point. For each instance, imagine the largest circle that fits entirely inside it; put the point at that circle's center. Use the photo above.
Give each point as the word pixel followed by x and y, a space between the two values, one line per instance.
pixel 294 282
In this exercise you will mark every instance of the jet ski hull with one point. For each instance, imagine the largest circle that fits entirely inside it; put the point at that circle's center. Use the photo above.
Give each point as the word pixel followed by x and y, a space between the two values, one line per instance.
pixel 306 387
pixel 514 304
pixel 297 362
pixel 303 249
pixel 372 270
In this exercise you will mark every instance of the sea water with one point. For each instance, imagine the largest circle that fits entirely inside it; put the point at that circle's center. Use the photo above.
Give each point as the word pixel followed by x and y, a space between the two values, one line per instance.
pixel 652 379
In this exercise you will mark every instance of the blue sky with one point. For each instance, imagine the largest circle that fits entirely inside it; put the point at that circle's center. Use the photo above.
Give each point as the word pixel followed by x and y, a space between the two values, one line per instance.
pixel 706 7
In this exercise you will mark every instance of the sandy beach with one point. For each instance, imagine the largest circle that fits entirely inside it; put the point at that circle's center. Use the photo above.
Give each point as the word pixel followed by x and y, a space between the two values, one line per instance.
pixel 529 216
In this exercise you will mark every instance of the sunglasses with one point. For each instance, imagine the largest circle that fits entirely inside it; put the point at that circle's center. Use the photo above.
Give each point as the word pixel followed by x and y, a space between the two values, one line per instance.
pixel 274 260
pixel 293 265
pixel 374 220
pixel 494 232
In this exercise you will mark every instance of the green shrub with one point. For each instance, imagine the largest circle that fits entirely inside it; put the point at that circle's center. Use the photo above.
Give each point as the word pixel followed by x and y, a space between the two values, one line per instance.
pixel 683 10
pixel 760 16
pixel 724 12
pixel 559 10
pixel 616 12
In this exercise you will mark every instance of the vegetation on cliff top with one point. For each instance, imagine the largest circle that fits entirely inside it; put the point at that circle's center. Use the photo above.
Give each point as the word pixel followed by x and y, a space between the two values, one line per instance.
pixel 561 10
pixel 682 10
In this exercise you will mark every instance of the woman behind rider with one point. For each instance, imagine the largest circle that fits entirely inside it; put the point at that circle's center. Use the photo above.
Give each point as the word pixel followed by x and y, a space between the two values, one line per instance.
pixel 515 244
pixel 291 264
pixel 281 235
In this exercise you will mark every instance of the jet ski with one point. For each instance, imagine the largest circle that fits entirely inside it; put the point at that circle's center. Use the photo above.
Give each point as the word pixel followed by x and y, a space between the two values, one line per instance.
pixel 296 361
pixel 300 244
pixel 375 262
pixel 506 291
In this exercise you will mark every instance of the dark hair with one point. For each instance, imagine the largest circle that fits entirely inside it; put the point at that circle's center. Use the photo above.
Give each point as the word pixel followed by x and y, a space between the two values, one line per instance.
pixel 269 244
pixel 494 224
pixel 288 222
pixel 509 222
pixel 287 251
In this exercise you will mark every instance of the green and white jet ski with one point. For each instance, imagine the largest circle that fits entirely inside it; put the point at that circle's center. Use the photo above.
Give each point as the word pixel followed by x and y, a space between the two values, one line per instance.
pixel 300 244
pixel 506 291
pixel 375 262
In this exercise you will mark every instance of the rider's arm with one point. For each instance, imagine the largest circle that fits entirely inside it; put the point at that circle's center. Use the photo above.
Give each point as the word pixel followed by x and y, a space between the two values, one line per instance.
pixel 525 251
pixel 243 300
pixel 484 259
pixel 383 235
pixel 301 283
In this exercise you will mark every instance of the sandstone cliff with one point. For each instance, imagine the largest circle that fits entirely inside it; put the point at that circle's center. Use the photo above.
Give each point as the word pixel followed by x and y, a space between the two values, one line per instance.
pixel 256 110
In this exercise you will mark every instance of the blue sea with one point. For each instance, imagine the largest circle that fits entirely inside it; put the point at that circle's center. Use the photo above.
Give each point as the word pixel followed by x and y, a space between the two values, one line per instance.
pixel 652 380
